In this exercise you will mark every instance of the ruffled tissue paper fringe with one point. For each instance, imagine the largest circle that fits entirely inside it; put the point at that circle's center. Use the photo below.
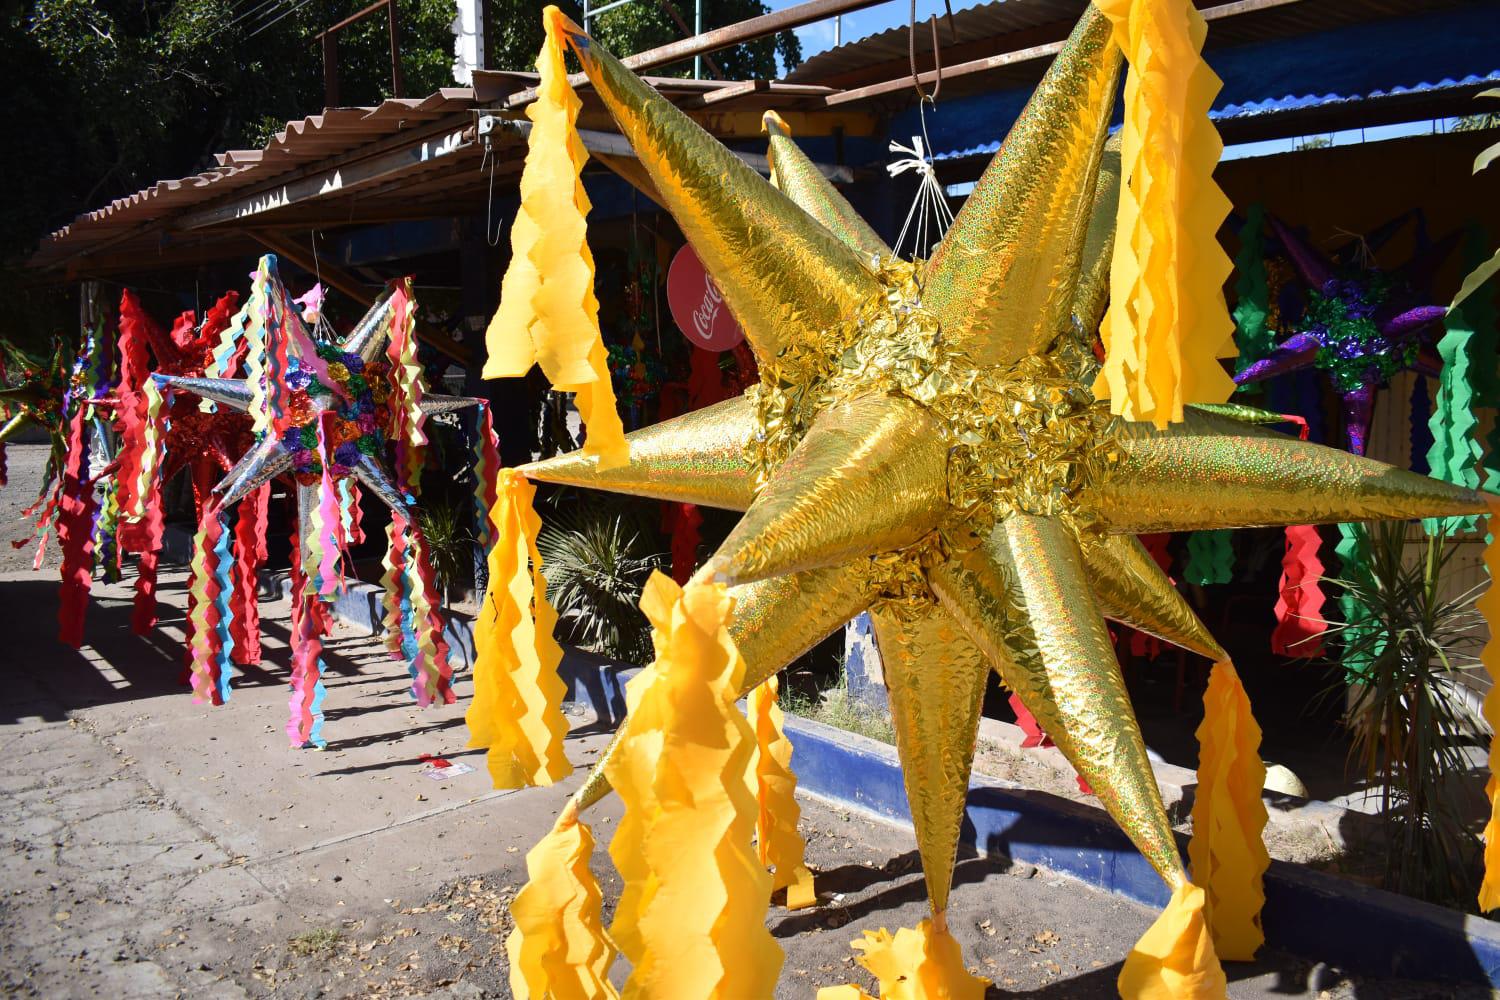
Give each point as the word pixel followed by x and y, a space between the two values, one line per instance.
pixel 1227 849
pixel 1457 455
pixel 548 314
pixel 304 728
pixel 516 712
pixel 75 533
pixel 921 963
pixel 559 949
pixel 1167 325
pixel 210 645
pixel 1299 606
pixel 1174 959
pixel 691 919
pixel 780 846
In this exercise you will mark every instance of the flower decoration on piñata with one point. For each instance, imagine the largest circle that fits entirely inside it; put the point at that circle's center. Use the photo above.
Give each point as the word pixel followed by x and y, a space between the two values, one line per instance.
pixel 924 443
pixel 333 418
pixel 1359 326
pixel 356 393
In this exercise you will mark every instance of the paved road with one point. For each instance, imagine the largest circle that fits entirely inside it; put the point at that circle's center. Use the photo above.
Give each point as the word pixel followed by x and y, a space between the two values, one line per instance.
pixel 153 847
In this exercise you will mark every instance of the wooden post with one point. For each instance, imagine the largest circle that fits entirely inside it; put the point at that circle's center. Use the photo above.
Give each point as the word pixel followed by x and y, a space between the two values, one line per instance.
pixel 330 70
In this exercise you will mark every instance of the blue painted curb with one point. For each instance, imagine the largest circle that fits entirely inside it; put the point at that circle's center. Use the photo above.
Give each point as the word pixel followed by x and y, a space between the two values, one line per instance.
pixel 1355 928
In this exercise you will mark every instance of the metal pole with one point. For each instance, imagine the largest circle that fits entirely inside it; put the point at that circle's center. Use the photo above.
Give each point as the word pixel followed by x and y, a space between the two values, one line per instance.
pixel 838 30
pixel 698 30
pixel 398 83
pixel 585 16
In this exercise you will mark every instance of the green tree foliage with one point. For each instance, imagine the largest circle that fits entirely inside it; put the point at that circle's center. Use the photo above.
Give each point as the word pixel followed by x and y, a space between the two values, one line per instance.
pixel 116 94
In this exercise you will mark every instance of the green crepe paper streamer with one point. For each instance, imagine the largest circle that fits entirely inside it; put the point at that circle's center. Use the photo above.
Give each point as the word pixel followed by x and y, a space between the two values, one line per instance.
pixel 1484 347
pixel 1210 557
pixel 1456 455
pixel 1357 618
pixel 1256 340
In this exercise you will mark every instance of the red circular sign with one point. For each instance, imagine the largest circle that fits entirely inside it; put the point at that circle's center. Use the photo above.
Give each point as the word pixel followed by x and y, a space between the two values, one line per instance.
pixel 698 306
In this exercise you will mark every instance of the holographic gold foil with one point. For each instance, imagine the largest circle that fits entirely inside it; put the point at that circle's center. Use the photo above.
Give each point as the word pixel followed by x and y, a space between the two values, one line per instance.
pixel 1091 293
pixel 1131 588
pixel 784 276
pixel 936 678
pixel 1025 597
pixel 1241 412
pixel 796 176
pixel 868 478
pixel 699 457
pixel 775 621
pixel 1001 282
pixel 954 466
pixel 1213 472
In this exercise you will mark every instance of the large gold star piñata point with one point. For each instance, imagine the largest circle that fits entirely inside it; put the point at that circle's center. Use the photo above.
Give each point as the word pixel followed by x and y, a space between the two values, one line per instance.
pixel 924 444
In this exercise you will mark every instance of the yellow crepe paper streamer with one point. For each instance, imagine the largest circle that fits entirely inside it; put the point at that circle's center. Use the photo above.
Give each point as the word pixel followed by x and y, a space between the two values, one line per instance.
pixel 1175 958
pixel 517 707
pixel 255 355
pixel 548 314
pixel 692 915
pixel 1489 606
pixel 1229 819
pixel 924 963
pixel 1167 323
pixel 779 844
pixel 559 949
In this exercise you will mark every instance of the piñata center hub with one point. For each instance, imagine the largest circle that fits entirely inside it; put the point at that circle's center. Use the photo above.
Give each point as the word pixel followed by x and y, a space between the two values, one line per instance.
pixel 347 401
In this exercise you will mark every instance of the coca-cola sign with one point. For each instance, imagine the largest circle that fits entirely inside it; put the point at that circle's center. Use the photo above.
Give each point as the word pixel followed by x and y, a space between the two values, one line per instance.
pixel 698 306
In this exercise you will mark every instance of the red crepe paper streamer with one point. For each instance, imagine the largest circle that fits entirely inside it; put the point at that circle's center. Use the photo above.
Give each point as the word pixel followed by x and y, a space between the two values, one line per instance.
pixel 149 534
pixel 1035 735
pixel 130 409
pixel 683 523
pixel 75 535
pixel 1299 609
pixel 1299 606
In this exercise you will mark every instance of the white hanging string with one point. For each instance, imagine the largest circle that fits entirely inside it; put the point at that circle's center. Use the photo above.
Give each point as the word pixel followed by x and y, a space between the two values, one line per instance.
pixel 929 216
pixel 929 208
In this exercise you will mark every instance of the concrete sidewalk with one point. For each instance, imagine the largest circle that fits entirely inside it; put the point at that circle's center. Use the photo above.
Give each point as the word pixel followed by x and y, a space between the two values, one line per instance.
pixel 154 847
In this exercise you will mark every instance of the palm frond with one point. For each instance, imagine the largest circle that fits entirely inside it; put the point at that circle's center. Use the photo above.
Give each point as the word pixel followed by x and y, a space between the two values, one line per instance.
pixel 1411 713
pixel 596 566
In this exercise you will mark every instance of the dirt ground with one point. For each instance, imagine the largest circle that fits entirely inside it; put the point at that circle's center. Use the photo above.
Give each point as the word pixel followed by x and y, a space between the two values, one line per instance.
pixel 156 848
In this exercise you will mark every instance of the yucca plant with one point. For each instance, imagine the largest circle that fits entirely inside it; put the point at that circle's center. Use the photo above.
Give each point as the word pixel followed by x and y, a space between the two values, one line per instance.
pixel 596 566
pixel 450 543
pixel 1406 651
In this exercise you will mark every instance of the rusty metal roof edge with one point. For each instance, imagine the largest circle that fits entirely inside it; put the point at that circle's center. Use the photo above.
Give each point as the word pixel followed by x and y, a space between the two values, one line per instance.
pixel 308 139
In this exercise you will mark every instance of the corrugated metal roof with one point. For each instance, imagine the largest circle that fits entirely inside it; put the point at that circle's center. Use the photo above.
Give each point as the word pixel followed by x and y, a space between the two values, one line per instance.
pixel 303 142
pixel 1276 105
pixel 1011 25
